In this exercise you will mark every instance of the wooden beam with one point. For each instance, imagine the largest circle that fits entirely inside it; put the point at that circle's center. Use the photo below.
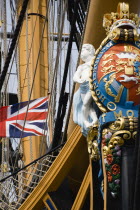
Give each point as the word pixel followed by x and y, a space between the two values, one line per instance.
pixel 81 196
pixel 91 186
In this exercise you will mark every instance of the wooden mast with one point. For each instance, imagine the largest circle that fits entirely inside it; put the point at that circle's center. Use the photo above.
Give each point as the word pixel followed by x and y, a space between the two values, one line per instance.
pixel 29 44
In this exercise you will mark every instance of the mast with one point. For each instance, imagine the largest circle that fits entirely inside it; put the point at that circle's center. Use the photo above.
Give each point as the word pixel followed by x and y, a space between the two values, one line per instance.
pixel 33 67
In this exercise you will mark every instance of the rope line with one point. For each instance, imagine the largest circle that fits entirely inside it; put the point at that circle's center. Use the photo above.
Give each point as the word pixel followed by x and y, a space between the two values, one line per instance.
pixel 33 162
pixel 13 43
pixel 73 87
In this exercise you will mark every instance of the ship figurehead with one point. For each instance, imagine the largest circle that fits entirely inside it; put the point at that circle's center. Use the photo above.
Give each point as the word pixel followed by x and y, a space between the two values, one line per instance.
pixel 115 87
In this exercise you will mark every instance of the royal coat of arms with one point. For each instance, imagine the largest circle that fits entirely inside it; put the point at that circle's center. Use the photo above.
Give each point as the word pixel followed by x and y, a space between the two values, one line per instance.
pixel 115 72
pixel 116 75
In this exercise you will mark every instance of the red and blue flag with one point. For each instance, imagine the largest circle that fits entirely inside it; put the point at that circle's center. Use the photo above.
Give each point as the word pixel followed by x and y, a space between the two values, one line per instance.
pixel 24 119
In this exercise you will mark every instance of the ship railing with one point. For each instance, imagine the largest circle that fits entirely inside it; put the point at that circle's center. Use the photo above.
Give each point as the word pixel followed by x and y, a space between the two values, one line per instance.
pixel 15 188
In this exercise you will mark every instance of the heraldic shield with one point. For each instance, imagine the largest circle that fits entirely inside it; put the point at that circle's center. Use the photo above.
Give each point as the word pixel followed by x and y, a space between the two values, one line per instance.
pixel 118 73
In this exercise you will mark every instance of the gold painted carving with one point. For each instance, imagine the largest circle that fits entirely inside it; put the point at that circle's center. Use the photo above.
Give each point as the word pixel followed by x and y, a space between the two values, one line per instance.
pixel 93 93
pixel 123 10
pixel 138 91
pixel 130 113
pixel 92 143
pixel 108 69
pixel 112 23
pixel 108 83
pixel 114 34
pixel 118 124
pixel 114 20
pixel 108 55
pixel 107 62
pixel 108 90
pixel 124 129
pixel 120 62
pixel 111 106
pixel 134 134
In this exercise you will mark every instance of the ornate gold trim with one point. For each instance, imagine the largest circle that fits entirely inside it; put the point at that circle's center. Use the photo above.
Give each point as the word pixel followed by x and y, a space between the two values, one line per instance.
pixel 118 124
pixel 123 129
pixel 93 93
pixel 92 143
pixel 121 16
pixel 108 83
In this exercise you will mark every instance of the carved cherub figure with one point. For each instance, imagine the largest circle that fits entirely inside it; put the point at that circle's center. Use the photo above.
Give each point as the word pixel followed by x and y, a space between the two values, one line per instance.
pixel 85 104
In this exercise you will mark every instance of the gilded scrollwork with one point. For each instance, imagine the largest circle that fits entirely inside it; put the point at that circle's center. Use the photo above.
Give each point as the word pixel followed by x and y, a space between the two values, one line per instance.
pixel 115 140
pixel 92 143
pixel 118 124
pixel 96 99
pixel 110 21
pixel 138 91
pixel 134 135
pixel 114 137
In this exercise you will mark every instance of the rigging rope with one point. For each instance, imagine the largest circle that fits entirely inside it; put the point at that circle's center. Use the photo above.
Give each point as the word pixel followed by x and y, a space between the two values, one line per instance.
pixel 73 88
pixel 29 53
pixel 53 82
pixel 5 141
pixel 28 81
pixel 14 173
pixel 14 20
pixel 30 92
pixel 13 43
pixel 6 158
pixel 58 127
pixel 19 145
pixel 35 70
pixel 29 56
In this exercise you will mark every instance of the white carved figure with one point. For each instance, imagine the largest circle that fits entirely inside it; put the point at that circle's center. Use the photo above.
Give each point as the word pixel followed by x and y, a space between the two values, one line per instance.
pixel 128 79
pixel 83 101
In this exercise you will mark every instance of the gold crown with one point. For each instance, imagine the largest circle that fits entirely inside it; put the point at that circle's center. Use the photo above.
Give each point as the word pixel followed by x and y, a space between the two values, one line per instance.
pixel 120 18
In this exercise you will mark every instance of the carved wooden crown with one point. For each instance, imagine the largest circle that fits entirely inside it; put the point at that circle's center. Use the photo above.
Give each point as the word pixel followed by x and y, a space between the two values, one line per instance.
pixel 121 18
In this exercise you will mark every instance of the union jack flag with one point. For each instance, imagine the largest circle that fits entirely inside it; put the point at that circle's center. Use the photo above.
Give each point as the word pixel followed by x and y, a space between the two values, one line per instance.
pixel 24 119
